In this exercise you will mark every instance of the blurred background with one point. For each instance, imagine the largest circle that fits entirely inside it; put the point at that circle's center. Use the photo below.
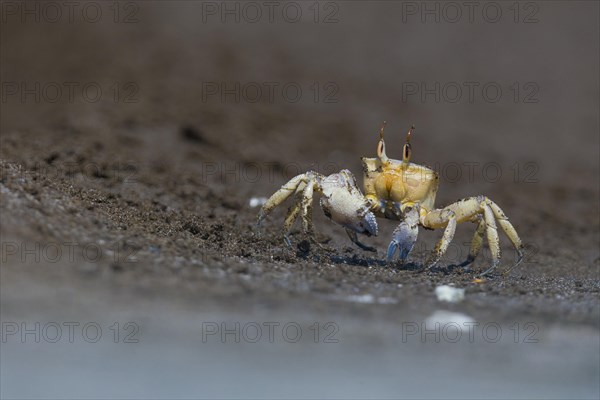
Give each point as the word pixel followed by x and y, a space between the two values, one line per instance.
pixel 138 137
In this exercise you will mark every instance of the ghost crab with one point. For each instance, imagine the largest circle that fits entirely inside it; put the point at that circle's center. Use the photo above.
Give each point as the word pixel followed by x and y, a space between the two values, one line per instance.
pixel 396 190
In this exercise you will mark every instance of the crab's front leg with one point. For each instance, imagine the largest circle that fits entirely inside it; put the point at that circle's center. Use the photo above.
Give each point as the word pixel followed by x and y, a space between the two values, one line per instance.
pixel 354 238
pixel 444 218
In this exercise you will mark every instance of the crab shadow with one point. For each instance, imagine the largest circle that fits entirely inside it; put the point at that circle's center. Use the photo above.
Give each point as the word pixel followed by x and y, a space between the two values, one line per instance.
pixel 413 266
pixel 307 250
pixel 357 260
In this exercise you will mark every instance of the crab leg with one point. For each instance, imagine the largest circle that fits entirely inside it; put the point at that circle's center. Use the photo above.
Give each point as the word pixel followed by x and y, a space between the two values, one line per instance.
pixel 354 237
pixel 439 219
pixel 289 221
pixel 476 243
pixel 306 207
pixel 303 186
pixel 510 232
pixel 493 240
pixel 303 208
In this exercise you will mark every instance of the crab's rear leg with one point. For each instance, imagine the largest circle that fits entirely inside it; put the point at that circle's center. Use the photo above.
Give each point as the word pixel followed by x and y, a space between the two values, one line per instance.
pixel 289 221
pixel 467 210
pixel 493 214
pixel 510 232
pixel 306 208
pixel 293 186
pixel 303 186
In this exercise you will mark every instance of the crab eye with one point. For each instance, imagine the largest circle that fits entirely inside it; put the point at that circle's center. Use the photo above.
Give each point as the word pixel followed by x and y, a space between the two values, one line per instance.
pixel 406 152
pixel 380 148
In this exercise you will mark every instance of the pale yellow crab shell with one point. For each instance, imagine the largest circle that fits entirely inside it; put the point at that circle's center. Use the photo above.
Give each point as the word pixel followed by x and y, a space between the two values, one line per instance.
pixel 396 181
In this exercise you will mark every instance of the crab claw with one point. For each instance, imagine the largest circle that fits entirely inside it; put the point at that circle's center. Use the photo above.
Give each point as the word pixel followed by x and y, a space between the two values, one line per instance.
pixel 359 220
pixel 344 204
pixel 366 224
pixel 369 224
pixel 404 236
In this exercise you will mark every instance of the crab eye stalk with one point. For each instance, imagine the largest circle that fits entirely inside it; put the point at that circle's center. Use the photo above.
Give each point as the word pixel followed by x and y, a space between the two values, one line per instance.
pixel 407 150
pixel 381 145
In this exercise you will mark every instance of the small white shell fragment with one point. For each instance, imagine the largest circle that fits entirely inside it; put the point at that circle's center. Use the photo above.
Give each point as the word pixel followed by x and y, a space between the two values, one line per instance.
pixel 449 294
pixel 257 202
